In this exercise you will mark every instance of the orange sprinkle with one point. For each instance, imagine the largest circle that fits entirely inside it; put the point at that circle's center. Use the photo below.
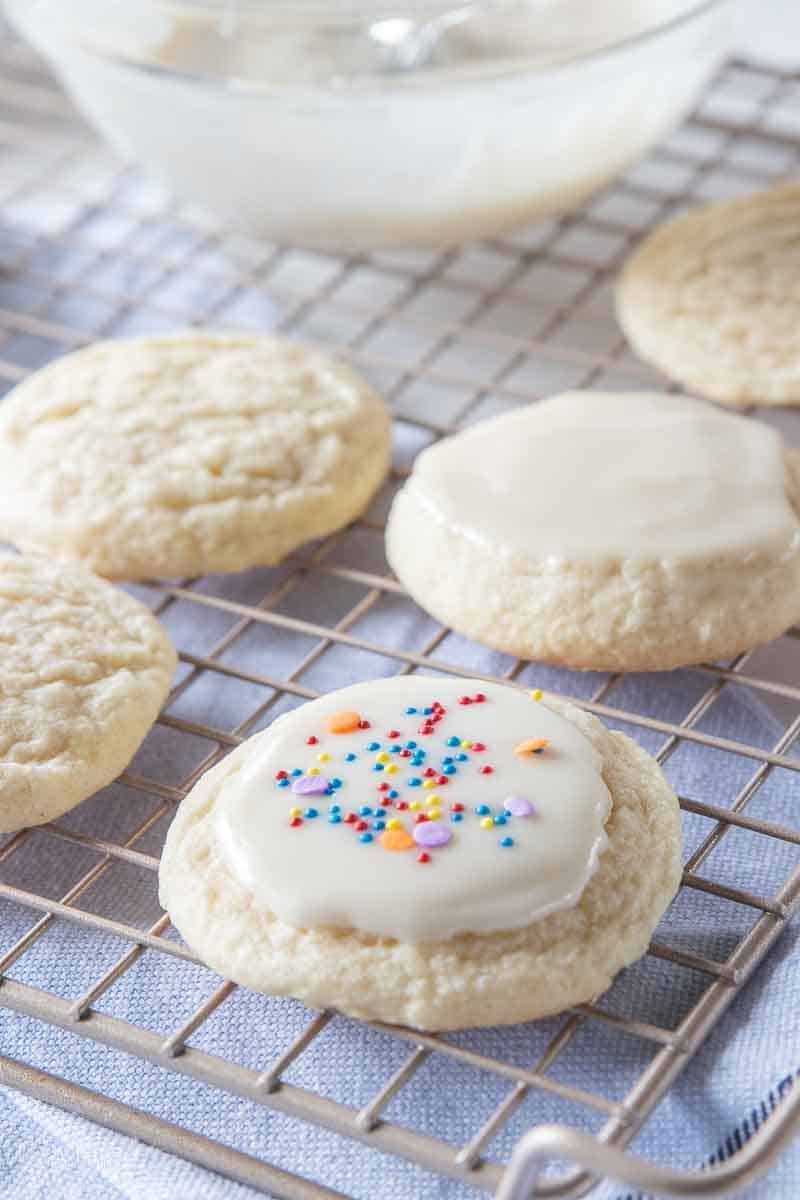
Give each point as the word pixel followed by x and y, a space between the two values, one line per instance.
pixel 531 746
pixel 396 839
pixel 343 722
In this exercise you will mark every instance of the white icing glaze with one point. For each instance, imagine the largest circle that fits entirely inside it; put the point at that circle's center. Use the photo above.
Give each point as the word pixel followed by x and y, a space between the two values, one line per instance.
pixel 592 476
pixel 321 874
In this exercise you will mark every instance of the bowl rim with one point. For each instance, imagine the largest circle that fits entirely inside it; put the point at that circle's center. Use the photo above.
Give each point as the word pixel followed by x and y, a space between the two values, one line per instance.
pixel 505 69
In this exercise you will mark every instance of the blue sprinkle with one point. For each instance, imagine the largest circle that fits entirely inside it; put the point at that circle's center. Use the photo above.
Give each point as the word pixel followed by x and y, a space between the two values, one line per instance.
pixel 396 748
pixel 296 771
pixel 410 712
pixel 411 745
pixel 448 758
pixel 334 818
pixel 427 712
pixel 392 794
pixel 350 757
pixel 335 808
pixel 453 741
pixel 283 783
pixel 456 816
pixel 378 825
pixel 507 841
pixel 365 811
pixel 328 790
pixel 500 820
pixel 378 767
pixel 449 769
pixel 462 757
pixel 310 812
pixel 373 745
pixel 336 783
pixel 418 760
pixel 482 810
pixel 414 781
pixel 365 837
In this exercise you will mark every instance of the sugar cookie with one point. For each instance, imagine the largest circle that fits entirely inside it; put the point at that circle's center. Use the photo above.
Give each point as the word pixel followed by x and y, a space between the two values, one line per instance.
pixel 712 298
pixel 631 531
pixel 515 887
pixel 187 454
pixel 84 669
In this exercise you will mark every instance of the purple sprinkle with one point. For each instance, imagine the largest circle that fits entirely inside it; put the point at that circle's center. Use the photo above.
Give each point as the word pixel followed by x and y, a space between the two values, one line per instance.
pixel 310 785
pixel 432 833
pixel 519 806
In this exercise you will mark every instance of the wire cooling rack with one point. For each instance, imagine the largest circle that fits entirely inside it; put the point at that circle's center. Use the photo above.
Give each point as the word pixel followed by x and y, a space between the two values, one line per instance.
pixel 89 248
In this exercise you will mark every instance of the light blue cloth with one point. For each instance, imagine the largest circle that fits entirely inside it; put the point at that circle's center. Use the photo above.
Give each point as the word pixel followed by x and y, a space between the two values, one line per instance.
pixel 46 1153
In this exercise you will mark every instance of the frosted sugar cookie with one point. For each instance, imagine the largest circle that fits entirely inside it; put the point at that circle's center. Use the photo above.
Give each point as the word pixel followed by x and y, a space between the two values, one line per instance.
pixel 441 853
pixel 84 669
pixel 187 454
pixel 712 298
pixel 632 531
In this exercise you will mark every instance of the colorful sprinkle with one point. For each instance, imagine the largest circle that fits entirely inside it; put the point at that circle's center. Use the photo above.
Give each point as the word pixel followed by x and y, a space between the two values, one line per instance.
pixel 323 757
pixel 310 813
pixel 487 823
pixel 335 808
pixel 466 745
pixel 464 700
pixel 432 833
pixel 383 786
pixel 393 794
pixel 518 806
pixel 423 857
pixel 377 767
pixel 283 783
pixel 350 757
pixel 462 758
pixel 414 781
pixel 335 783
pixel 295 812
pixel 343 722
pixel 378 825
pixel 410 712
pixel 414 806
pixel 350 818
pixel 531 746
pixel 311 740
pixel 334 819
pixel 507 841
pixel 365 811
pixel 479 698
pixel 396 839
pixel 310 785
pixel 536 694
pixel 362 724
pixel 449 769
pixel 456 806
pixel 478 746
pixel 500 819
pixel 429 783
pixel 393 733
pixel 373 746
pixel 456 816
pixel 391 769
pixel 295 821
pixel 281 774
pixel 487 770
pixel 360 826
pixel 365 837
pixel 411 745
pixel 482 809
pixel 420 817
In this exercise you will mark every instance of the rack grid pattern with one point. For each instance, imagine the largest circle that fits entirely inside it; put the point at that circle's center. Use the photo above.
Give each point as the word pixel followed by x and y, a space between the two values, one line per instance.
pixel 89 248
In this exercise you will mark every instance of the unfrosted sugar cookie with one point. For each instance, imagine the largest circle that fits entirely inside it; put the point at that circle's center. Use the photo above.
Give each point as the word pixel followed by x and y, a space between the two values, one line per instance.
pixel 187 454
pixel 712 298
pixel 634 531
pixel 441 853
pixel 84 669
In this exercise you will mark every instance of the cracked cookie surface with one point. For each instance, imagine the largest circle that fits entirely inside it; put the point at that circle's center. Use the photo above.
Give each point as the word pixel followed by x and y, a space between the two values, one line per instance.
pixel 187 454
pixel 84 669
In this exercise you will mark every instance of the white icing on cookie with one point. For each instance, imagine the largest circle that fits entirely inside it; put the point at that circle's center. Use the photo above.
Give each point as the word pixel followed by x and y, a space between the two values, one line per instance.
pixel 594 476
pixel 320 872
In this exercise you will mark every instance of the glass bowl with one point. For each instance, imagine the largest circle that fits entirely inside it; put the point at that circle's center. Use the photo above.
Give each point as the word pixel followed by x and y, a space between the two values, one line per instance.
pixel 360 125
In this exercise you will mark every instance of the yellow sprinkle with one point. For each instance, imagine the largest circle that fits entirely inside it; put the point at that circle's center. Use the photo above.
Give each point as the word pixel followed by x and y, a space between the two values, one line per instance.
pixel 295 812
pixel 323 757
pixel 391 769
pixel 434 814
pixel 487 823
pixel 414 805
pixel 312 771
pixel 434 799
pixel 428 784
pixel 394 824
pixel 536 694
pixel 382 757
pixel 466 745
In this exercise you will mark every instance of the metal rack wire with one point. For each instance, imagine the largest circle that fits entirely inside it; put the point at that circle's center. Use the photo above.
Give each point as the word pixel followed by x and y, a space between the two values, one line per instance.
pixel 91 249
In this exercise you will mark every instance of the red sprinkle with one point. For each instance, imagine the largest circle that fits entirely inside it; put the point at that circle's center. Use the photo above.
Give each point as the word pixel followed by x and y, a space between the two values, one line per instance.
pixel 360 826
pixel 437 717
pixel 479 698
pixel 311 740
pixel 485 770
pixel 426 728
pixel 465 700
pixel 295 821
pixel 405 754
pixel 281 774
pixel 478 746
pixel 456 806
pixel 420 817
pixel 437 707
pixel 429 772
pixel 385 801
pixel 393 733
pixel 363 724
pixel 401 804
pixel 383 787
pixel 442 781
pixel 350 818
pixel 423 857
